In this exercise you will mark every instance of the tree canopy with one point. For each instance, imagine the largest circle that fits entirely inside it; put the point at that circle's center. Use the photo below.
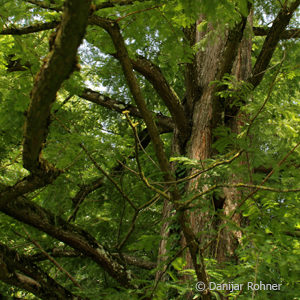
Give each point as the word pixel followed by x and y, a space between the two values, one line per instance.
pixel 147 145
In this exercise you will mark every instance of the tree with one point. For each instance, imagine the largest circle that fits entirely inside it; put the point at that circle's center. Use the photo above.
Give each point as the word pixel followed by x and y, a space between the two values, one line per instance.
pixel 149 135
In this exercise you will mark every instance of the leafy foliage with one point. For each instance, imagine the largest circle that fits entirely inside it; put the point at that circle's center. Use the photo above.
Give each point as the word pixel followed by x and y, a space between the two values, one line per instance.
pixel 90 142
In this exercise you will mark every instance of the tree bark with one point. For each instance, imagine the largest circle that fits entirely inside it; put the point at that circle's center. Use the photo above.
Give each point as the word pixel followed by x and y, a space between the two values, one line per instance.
pixel 223 54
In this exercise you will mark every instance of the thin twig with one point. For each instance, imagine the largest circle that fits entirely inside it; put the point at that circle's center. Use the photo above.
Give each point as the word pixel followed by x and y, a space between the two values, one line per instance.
pixel 143 149
pixel 150 202
pixel 137 12
pixel 268 96
pixel 129 169
pixel 52 259
pixel 44 5
pixel 121 222
pixel 63 103
pixel 141 173
pixel 186 204
pixel 98 167
pixel 264 181
pixel 197 173
pixel 166 268
pixel 132 226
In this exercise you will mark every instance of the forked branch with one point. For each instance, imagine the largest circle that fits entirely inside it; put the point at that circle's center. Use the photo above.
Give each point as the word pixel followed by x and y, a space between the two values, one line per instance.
pixel 155 76
pixel 293 33
pixel 281 21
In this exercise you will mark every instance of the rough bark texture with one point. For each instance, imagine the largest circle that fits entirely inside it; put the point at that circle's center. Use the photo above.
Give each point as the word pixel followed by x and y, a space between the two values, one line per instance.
pixel 208 113
pixel 205 112
pixel 230 53
pixel 114 31
pixel 49 79
pixel 228 239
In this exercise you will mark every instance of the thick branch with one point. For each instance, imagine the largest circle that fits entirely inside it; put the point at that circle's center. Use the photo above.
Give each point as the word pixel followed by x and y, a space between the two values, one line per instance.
pixel 285 35
pixel 138 262
pixel 293 33
pixel 114 31
pixel 128 259
pixel 154 75
pixel 55 252
pixel 16 269
pixel 29 29
pixel 49 79
pixel 32 214
pixel 235 36
pixel 26 185
pixel 281 21
pixel 99 6
pixel 113 3
pixel 165 123
pixel 87 189
pixel 45 5
pixel 295 233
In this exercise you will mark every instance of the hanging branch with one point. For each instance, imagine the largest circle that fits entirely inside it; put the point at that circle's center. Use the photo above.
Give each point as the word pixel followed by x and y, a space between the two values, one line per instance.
pixel 98 167
pixel 186 204
pixel 138 11
pixel 103 5
pixel 268 96
pixel 138 262
pixel 293 33
pixel 114 31
pixel 168 264
pixel 63 253
pixel 114 3
pixel 54 252
pixel 130 231
pixel 214 165
pixel 42 219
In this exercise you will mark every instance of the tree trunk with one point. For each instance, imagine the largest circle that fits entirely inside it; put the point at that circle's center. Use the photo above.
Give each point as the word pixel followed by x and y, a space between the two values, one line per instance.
pixel 206 112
